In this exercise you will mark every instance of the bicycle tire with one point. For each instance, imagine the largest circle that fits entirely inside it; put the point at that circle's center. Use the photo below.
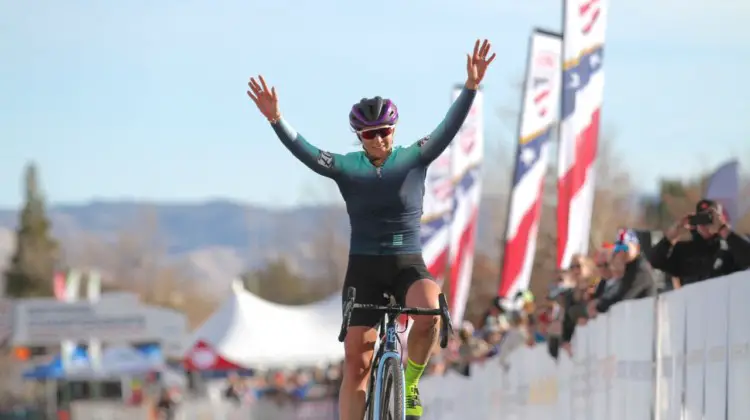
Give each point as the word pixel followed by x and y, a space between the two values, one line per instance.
pixel 370 414
pixel 392 387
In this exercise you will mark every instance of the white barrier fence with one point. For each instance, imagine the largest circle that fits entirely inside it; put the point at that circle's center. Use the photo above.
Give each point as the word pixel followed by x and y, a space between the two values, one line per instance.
pixel 682 356
pixel 204 409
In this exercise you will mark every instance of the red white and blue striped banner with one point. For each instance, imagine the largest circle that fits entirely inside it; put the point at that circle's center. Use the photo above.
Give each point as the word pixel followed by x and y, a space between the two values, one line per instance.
pixel 468 152
pixel 582 95
pixel 539 113
pixel 437 212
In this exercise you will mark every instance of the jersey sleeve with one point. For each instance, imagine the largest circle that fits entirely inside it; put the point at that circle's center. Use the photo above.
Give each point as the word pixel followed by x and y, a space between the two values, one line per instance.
pixel 322 162
pixel 436 142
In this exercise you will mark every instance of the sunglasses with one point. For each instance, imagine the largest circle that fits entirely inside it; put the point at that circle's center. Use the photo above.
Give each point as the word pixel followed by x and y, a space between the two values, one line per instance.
pixel 383 132
pixel 575 266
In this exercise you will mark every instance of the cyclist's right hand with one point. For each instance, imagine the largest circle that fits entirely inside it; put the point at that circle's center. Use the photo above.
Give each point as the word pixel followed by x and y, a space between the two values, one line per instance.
pixel 265 99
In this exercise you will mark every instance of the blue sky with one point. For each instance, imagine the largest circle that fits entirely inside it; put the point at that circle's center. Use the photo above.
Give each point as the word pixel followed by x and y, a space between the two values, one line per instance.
pixel 144 99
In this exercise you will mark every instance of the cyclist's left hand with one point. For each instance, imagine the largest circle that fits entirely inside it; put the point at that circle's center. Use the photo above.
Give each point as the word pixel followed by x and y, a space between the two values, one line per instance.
pixel 477 63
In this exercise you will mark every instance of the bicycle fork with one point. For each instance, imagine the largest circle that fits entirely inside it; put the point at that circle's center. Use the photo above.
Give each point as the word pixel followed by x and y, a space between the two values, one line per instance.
pixel 390 352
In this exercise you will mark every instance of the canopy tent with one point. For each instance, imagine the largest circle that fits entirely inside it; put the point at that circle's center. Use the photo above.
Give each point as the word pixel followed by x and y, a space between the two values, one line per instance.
pixel 247 332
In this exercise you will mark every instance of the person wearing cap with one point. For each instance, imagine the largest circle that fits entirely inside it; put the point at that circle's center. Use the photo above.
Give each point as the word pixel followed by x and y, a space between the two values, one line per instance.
pixel 634 276
pixel 713 248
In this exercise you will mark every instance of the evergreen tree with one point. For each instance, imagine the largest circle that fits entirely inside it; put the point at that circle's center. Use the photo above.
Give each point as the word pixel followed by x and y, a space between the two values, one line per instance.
pixel 33 264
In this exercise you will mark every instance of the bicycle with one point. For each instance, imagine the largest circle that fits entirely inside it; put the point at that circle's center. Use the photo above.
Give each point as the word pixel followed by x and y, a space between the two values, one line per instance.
pixel 386 373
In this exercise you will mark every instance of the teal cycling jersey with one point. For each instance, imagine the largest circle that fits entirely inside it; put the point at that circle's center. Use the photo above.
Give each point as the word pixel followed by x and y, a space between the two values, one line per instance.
pixel 384 203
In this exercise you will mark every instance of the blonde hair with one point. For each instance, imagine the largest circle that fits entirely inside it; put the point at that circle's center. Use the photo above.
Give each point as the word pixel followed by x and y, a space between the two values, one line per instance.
pixel 588 268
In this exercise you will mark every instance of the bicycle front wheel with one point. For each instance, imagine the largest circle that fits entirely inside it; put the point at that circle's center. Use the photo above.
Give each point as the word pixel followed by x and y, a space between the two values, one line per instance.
pixel 392 391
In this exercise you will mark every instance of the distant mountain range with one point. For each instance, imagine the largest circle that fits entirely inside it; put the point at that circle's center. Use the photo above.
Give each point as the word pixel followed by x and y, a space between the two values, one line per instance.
pixel 219 239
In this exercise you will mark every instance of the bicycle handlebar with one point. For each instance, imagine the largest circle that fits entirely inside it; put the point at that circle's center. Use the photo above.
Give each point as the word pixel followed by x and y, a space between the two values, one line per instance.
pixel 442 311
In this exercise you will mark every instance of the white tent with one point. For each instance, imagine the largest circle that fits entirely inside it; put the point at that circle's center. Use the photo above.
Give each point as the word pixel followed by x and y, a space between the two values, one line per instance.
pixel 252 332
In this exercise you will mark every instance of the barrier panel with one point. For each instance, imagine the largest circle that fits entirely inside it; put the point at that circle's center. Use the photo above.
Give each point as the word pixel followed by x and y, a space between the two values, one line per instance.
pixel 205 409
pixel 682 356
pixel 105 410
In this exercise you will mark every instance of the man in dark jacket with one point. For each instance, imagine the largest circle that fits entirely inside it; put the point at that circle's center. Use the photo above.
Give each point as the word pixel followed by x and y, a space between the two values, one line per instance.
pixel 715 249
pixel 633 275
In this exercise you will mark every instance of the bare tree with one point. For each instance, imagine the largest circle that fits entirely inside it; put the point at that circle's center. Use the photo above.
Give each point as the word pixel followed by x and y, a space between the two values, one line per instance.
pixel 544 268
pixel 330 245
pixel 331 249
pixel 614 195
pixel 135 260
pixel 484 277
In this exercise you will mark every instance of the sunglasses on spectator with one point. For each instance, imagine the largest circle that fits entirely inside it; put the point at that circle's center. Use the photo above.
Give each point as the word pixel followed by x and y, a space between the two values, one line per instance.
pixel 383 132
pixel 575 266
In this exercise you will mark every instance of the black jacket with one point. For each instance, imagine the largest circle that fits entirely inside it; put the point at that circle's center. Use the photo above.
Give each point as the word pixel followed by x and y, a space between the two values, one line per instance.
pixel 574 308
pixel 701 259
pixel 637 282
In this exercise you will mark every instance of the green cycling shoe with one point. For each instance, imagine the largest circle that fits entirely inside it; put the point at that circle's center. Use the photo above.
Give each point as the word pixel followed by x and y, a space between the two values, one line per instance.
pixel 413 404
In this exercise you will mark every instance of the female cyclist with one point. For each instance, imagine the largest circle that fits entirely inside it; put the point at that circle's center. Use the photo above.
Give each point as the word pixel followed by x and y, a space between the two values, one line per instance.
pixel 383 187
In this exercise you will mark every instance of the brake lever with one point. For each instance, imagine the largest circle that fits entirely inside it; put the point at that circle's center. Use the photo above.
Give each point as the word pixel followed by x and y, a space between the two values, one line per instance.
pixel 351 294
pixel 446 329
pixel 345 322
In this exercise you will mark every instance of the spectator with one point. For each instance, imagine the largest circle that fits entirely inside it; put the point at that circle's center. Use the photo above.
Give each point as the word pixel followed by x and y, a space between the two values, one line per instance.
pixel 606 278
pixel 632 271
pixel 235 390
pixel 494 315
pixel 603 273
pixel 514 337
pixel 165 405
pixel 471 349
pixel 493 335
pixel 550 320
pixel 714 249
pixel 298 386
pixel 437 364
pixel 535 329
pixel 572 297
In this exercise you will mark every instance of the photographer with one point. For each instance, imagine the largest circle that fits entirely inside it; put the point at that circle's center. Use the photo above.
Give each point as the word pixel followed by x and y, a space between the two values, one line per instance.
pixel 634 277
pixel 715 249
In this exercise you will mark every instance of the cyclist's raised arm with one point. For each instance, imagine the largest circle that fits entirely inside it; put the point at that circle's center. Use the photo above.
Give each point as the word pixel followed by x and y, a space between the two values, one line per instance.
pixel 267 102
pixel 476 67
pixel 441 137
pixel 323 163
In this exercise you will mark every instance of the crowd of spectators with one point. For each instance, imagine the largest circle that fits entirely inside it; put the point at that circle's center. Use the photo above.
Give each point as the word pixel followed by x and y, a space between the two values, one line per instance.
pixel 700 246
pixel 697 247
pixel 284 386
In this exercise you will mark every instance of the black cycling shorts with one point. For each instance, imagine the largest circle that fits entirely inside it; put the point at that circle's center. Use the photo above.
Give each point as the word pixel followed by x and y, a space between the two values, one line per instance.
pixel 375 276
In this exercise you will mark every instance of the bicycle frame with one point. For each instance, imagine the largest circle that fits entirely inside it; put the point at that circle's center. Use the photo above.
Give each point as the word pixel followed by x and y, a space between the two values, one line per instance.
pixel 389 342
pixel 388 349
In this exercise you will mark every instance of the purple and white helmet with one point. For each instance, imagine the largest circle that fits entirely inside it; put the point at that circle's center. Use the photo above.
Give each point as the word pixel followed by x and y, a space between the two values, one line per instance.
pixel 373 113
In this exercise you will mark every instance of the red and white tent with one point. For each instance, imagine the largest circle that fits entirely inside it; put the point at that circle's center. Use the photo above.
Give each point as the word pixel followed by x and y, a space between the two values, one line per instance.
pixel 249 332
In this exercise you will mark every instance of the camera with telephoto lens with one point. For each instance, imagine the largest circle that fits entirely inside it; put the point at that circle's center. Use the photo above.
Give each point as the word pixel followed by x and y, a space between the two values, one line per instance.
pixel 701 219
